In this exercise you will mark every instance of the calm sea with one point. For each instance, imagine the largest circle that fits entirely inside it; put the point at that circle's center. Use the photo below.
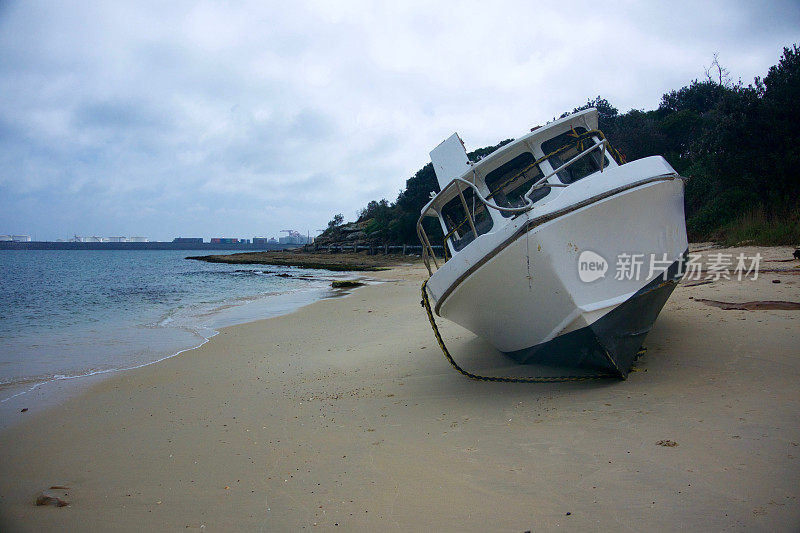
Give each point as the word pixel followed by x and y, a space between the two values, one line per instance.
pixel 68 313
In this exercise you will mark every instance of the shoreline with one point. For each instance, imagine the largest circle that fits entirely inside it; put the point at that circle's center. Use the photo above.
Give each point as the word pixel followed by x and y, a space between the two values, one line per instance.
pixel 51 394
pixel 32 393
pixel 343 414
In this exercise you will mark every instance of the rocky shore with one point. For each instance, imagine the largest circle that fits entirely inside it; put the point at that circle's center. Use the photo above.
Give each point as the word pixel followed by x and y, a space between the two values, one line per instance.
pixel 340 262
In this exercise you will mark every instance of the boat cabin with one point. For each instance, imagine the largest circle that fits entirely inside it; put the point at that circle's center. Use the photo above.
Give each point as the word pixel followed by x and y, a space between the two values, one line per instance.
pixel 524 174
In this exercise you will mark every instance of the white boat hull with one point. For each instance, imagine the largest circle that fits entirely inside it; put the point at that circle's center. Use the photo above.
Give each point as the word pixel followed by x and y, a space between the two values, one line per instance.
pixel 520 287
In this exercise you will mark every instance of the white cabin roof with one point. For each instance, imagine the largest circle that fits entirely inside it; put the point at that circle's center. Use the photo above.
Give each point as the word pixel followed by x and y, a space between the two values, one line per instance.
pixel 586 118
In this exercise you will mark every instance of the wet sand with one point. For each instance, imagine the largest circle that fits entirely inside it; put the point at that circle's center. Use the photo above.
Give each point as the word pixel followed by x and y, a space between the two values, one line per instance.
pixel 344 415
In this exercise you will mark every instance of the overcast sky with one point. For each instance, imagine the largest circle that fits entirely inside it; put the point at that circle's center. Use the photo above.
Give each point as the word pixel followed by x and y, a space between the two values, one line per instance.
pixel 166 119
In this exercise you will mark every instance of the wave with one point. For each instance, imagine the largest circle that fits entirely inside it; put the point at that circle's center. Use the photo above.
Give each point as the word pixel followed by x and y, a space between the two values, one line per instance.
pixel 92 315
pixel 200 320
pixel 61 377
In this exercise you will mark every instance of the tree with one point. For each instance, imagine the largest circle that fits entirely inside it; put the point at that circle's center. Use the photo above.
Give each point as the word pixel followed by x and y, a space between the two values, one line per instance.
pixel 606 113
pixel 738 145
pixel 374 209
pixel 699 97
pixel 781 114
pixel 336 221
pixel 715 70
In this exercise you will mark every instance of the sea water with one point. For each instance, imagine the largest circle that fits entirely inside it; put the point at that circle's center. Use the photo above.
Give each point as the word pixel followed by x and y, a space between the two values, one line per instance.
pixel 73 313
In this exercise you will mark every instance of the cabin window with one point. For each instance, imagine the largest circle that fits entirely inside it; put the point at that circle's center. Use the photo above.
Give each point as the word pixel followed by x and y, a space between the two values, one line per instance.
pixel 588 164
pixel 509 182
pixel 459 230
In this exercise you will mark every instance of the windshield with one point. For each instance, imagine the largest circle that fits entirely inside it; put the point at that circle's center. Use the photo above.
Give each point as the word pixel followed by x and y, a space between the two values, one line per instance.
pixel 568 145
pixel 459 229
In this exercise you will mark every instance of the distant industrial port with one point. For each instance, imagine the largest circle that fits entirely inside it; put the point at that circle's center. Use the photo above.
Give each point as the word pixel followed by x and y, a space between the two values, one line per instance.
pixel 292 239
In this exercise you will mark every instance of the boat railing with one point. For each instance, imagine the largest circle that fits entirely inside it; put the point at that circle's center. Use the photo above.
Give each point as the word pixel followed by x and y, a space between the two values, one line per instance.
pixel 432 208
pixel 543 181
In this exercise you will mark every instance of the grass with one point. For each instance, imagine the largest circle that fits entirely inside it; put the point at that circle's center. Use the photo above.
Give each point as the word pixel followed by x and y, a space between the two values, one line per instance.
pixel 761 228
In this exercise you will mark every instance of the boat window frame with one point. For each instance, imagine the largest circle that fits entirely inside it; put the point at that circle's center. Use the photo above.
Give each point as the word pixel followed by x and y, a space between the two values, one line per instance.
pixel 600 161
pixel 456 239
pixel 500 197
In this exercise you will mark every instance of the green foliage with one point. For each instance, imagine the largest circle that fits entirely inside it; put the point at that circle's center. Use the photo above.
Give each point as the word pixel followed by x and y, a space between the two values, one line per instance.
pixel 739 145
pixel 761 227
pixel 336 221
pixel 699 97
pixel 726 207
pixel 745 160
pixel 606 113
pixel 380 220
pixel 480 153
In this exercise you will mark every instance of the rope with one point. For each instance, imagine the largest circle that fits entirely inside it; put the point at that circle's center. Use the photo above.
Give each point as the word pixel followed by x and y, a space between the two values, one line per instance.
pixel 533 379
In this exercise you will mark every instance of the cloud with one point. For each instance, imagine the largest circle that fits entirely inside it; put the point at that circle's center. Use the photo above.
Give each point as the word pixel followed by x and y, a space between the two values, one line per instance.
pixel 117 115
pixel 202 118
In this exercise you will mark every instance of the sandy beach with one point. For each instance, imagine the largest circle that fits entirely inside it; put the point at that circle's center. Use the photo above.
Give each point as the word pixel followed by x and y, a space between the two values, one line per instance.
pixel 344 415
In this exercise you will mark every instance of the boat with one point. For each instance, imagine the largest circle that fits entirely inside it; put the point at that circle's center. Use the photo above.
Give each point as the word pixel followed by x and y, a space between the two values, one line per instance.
pixel 557 251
